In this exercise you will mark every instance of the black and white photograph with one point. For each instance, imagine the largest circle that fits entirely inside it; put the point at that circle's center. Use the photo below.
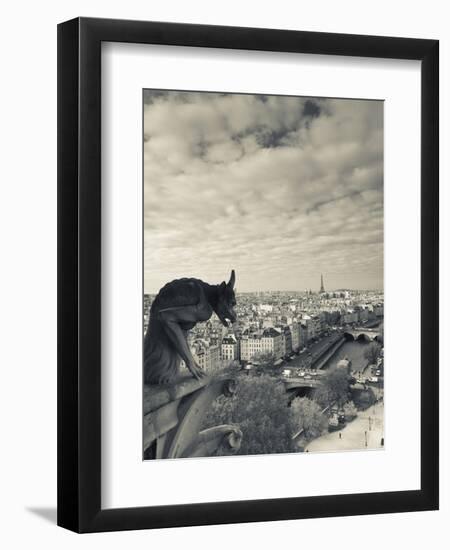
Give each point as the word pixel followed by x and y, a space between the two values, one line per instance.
pixel 263 274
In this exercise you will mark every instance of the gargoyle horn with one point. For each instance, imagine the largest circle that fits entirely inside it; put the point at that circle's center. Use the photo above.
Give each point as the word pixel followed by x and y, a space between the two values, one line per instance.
pixel 230 283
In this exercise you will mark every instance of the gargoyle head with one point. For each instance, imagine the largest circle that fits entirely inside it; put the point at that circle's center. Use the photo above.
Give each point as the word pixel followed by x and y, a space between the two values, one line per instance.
pixel 226 302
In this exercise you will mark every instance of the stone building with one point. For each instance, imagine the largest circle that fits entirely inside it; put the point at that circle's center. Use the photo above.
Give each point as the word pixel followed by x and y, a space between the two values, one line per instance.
pixel 229 350
pixel 267 341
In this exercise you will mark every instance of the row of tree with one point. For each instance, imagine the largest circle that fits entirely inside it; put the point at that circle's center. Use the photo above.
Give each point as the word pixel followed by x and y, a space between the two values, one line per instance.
pixel 372 352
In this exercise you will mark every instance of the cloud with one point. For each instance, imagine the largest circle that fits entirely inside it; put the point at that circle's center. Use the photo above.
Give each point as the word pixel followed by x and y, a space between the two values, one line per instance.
pixel 279 188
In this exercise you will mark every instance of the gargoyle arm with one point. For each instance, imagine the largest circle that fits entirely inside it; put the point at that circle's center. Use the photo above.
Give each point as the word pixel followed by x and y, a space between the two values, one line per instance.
pixel 171 318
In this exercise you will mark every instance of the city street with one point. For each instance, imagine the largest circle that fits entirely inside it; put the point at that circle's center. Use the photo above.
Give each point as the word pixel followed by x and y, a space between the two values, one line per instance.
pixel 315 350
pixel 368 424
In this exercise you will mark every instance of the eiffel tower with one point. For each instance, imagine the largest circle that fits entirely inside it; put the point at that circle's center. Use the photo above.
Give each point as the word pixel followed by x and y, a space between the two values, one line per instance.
pixel 322 289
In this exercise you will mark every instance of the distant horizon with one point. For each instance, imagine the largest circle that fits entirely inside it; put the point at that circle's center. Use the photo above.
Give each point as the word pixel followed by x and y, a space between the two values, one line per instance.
pixel 298 291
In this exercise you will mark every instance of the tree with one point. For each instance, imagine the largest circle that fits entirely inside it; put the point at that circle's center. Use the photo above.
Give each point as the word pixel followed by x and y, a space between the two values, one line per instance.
pixel 228 364
pixel 260 408
pixel 334 388
pixel 363 398
pixel 372 352
pixel 266 359
pixel 308 417
pixel 350 411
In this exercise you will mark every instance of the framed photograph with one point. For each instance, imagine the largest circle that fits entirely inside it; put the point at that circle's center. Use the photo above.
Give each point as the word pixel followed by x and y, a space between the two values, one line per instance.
pixel 247 276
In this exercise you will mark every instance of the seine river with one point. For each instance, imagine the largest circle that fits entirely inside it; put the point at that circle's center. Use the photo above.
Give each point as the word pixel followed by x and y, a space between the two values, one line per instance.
pixel 352 350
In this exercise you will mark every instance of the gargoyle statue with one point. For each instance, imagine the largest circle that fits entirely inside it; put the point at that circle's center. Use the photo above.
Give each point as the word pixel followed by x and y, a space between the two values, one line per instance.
pixel 177 308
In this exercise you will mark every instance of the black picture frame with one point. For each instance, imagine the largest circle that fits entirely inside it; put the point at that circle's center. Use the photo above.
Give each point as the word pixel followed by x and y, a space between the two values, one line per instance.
pixel 79 274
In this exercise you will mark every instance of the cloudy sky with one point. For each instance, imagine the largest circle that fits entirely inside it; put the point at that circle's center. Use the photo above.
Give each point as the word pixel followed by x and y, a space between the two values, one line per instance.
pixel 279 188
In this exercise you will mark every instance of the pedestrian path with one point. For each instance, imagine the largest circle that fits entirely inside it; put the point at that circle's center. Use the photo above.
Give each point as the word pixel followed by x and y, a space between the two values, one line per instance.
pixel 365 432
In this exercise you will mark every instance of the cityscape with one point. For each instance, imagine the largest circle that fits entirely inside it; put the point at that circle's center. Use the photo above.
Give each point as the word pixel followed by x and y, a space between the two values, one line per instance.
pixel 297 337
pixel 280 323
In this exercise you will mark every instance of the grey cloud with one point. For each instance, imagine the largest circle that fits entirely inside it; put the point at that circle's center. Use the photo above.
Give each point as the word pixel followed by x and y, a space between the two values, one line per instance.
pixel 307 198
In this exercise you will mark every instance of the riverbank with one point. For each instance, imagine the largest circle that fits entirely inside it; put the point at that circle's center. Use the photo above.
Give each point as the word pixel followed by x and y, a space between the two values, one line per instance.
pixel 328 354
pixel 315 353
pixel 353 351
pixel 364 432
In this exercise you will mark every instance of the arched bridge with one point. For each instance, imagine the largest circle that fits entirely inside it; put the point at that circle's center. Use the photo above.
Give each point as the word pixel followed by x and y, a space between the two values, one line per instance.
pixel 298 383
pixel 366 334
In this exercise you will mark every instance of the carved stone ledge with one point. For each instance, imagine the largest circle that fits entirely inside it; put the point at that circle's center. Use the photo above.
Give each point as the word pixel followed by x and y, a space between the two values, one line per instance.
pixel 173 416
pixel 226 439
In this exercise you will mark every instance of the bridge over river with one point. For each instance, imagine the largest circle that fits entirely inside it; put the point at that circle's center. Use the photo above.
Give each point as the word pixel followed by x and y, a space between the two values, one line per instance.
pixel 327 352
pixel 362 333
pixel 299 383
